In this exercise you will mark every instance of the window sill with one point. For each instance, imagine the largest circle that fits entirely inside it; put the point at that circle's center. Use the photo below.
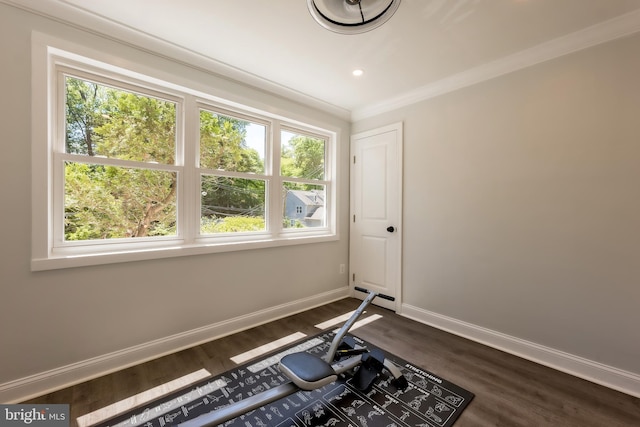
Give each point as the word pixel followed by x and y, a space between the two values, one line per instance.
pixel 61 261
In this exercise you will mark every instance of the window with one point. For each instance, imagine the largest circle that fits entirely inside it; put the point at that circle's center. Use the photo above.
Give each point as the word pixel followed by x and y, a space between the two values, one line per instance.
pixel 135 166
pixel 302 164
pixel 233 182
pixel 120 179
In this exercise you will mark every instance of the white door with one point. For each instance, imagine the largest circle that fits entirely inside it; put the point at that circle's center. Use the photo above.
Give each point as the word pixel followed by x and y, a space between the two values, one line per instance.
pixel 376 213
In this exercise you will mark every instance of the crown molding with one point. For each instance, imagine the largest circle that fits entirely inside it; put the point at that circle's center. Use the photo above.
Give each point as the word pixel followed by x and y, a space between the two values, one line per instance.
pixel 612 29
pixel 63 12
pixel 71 15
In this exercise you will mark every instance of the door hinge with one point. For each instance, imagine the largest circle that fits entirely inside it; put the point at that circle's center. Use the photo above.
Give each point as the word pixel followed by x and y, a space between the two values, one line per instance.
pixel 354 160
pixel 354 218
pixel 354 277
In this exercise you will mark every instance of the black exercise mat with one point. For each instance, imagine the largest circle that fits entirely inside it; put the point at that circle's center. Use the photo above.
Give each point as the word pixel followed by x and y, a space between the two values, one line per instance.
pixel 428 401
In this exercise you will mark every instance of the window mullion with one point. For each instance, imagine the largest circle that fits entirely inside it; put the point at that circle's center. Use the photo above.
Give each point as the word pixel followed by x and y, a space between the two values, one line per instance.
pixel 189 203
pixel 276 201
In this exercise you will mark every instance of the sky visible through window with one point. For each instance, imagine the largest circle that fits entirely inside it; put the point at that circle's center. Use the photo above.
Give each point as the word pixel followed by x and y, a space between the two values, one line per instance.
pixel 255 138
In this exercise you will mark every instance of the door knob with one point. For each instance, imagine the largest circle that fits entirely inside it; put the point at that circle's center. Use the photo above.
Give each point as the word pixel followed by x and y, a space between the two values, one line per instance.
pixel 390 229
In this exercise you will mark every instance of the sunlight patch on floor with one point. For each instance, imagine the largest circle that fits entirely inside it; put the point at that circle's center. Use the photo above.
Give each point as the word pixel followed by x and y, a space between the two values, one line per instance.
pixel 339 320
pixel 335 321
pixel 141 398
pixel 263 349
pixel 365 321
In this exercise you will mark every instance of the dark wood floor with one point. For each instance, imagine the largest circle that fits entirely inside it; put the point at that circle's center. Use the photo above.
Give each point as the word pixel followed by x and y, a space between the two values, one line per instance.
pixel 509 391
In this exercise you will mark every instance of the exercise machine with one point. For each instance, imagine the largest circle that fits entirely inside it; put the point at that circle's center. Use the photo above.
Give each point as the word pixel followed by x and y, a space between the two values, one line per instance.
pixel 306 371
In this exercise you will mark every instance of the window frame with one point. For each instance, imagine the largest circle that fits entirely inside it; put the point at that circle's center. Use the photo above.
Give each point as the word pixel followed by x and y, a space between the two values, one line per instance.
pixel 50 251
pixel 319 182
pixel 203 104
pixel 60 157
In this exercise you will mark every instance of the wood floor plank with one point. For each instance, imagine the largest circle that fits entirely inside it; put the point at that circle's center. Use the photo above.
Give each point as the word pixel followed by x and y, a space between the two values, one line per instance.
pixel 510 391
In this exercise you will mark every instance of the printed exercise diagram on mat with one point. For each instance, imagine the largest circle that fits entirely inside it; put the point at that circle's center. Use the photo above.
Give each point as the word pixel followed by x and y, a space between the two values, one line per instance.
pixel 429 400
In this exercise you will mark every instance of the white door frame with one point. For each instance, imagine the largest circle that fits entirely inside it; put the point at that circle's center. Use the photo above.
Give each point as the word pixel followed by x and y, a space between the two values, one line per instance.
pixel 396 204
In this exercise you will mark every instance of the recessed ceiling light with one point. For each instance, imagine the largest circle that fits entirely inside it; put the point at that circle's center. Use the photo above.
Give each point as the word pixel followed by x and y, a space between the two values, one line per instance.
pixel 357 72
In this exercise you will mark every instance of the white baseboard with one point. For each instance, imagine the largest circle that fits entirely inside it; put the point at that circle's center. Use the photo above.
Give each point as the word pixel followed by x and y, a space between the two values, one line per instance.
pixel 614 378
pixel 45 382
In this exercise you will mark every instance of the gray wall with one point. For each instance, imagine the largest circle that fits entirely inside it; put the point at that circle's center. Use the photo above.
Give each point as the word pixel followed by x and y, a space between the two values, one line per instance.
pixel 51 319
pixel 522 204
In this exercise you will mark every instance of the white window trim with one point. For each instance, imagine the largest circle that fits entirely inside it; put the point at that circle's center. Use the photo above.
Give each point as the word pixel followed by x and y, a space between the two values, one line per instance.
pixel 49 53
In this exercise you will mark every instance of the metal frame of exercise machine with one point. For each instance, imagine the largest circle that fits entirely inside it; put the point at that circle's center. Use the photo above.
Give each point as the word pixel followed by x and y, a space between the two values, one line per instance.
pixel 309 372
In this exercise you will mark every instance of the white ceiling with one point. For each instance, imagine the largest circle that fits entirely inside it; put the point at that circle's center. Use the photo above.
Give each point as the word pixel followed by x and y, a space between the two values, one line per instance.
pixel 426 47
